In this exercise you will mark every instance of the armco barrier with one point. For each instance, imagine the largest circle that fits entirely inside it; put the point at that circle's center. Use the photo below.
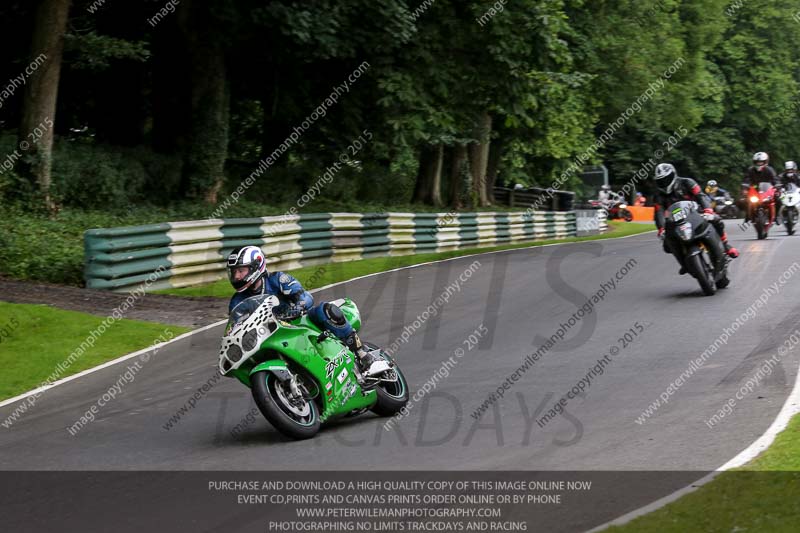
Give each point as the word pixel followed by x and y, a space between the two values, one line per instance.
pixel 194 252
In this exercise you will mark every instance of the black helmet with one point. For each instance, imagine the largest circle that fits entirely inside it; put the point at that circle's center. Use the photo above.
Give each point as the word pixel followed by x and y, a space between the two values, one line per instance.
pixel 245 266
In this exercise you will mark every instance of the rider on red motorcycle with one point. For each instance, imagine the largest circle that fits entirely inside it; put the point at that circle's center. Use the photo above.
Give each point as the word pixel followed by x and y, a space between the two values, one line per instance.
pixel 671 189
pixel 761 172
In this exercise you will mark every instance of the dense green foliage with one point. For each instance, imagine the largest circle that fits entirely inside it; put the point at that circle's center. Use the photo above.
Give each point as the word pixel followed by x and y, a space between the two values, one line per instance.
pixel 149 112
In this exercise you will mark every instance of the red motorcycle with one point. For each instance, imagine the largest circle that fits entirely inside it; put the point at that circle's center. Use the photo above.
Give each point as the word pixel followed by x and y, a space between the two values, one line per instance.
pixel 615 209
pixel 761 207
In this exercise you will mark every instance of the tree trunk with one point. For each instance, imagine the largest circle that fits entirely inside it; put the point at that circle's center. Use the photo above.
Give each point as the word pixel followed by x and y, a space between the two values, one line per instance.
pixel 41 95
pixel 479 158
pixel 493 167
pixel 429 176
pixel 457 155
pixel 274 131
pixel 171 109
pixel 204 158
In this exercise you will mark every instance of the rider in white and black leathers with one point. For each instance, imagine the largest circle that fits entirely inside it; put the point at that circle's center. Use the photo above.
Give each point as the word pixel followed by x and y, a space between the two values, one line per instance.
pixel 672 188
pixel 789 175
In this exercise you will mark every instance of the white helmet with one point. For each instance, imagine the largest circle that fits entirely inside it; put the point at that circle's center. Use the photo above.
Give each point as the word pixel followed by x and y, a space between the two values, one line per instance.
pixel 790 165
pixel 245 265
pixel 666 176
pixel 761 159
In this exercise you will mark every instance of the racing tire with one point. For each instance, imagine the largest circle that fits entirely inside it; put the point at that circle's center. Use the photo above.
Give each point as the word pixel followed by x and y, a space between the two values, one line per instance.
pixel 392 397
pixel 278 412
pixel 699 268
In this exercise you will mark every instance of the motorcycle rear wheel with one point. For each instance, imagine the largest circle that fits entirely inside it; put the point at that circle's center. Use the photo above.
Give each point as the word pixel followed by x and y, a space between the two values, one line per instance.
pixel 392 397
pixel 288 419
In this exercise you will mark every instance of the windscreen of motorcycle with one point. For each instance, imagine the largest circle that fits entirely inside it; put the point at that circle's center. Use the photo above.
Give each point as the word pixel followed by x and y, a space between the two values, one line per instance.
pixel 242 312
pixel 791 195
pixel 680 211
pixel 250 323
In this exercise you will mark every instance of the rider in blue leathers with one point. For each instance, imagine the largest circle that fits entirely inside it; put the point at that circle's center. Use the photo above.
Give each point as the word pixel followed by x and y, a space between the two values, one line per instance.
pixel 247 272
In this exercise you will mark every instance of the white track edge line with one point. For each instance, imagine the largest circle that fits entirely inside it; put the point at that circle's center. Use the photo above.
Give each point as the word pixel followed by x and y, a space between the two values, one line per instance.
pixel 790 408
pixel 107 364
pixel 209 326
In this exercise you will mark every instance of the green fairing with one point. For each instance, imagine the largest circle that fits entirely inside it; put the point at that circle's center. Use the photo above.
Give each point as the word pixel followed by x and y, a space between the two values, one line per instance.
pixel 351 313
pixel 325 361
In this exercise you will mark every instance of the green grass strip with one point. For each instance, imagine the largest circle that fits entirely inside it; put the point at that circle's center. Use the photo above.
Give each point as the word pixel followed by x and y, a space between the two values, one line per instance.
pixel 35 339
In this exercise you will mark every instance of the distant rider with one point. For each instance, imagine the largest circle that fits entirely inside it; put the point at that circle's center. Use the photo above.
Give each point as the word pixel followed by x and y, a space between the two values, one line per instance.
pixel 713 189
pixel 604 195
pixel 790 174
pixel 247 272
pixel 758 173
pixel 672 188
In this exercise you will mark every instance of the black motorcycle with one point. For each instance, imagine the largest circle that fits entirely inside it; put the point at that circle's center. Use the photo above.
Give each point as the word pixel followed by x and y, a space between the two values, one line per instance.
pixel 724 206
pixel 697 245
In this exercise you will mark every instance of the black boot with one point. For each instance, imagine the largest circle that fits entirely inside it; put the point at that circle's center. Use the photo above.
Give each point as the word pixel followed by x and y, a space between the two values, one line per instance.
pixel 365 357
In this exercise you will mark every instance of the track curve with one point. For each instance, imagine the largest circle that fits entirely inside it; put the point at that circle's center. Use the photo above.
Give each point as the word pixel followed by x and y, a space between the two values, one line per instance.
pixel 520 296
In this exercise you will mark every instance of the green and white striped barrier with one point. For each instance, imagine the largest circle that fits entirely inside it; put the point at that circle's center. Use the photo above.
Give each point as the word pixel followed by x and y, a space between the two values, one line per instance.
pixel 194 252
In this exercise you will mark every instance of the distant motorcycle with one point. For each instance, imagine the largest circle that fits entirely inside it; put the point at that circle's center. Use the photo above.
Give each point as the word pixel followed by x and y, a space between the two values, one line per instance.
pixel 699 247
pixel 761 205
pixel 724 206
pixel 615 208
pixel 790 211
pixel 619 209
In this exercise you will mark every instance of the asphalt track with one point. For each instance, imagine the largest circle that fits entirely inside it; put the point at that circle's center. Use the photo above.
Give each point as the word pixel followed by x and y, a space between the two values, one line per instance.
pixel 521 297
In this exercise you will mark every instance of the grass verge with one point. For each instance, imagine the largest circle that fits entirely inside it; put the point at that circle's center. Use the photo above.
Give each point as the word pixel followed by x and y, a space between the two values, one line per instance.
pixel 313 277
pixel 35 339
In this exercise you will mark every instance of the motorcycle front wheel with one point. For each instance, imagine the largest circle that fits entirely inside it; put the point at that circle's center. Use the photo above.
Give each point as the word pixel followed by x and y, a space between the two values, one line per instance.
pixel 703 273
pixel 761 225
pixel 627 215
pixel 790 218
pixel 295 418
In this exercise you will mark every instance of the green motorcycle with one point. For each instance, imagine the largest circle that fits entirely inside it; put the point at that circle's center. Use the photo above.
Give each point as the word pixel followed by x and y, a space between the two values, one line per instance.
pixel 302 376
